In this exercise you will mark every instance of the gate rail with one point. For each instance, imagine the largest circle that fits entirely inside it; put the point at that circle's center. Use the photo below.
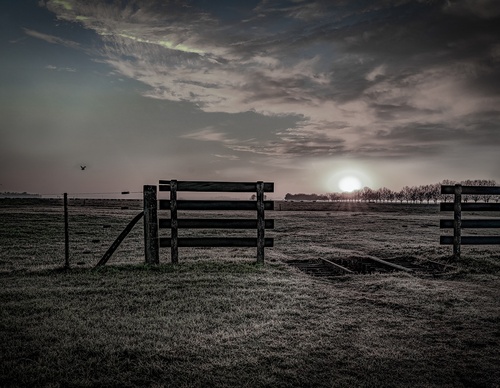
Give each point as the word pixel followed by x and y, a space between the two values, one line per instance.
pixel 457 207
pixel 174 223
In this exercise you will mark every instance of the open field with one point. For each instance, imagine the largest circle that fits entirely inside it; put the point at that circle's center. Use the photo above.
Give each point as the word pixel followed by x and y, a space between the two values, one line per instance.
pixel 217 319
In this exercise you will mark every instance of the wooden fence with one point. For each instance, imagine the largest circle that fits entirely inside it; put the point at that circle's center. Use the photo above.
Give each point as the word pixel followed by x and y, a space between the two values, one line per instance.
pixel 152 224
pixel 457 207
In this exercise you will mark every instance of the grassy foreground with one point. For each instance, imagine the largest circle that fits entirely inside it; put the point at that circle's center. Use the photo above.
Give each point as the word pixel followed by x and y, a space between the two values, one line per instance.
pixel 234 324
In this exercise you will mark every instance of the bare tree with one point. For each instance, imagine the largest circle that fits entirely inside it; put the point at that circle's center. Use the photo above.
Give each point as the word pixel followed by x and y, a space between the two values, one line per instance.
pixel 446 197
pixel 384 194
pixel 479 182
pixel 421 193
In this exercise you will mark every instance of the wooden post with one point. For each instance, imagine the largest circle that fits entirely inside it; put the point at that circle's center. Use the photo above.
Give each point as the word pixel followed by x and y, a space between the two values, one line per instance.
pixel 151 247
pixel 66 232
pixel 174 248
pixel 119 240
pixel 260 222
pixel 457 222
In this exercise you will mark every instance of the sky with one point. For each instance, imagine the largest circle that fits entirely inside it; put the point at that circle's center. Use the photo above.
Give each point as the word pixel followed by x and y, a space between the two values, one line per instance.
pixel 300 93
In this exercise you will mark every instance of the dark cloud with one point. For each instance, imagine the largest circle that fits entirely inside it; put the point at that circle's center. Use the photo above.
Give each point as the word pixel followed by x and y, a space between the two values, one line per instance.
pixel 472 9
pixel 296 148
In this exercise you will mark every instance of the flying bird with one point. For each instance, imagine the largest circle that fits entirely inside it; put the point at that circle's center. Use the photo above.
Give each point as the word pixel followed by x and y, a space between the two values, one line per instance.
pixel 83 167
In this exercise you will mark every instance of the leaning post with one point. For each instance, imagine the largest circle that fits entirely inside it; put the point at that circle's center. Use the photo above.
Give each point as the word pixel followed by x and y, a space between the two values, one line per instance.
pixel 457 222
pixel 151 247
pixel 260 222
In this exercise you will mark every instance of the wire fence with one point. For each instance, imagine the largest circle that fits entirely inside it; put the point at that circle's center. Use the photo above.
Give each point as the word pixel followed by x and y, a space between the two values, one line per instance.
pixel 32 232
pixel 37 232
pixel 94 195
pixel 41 232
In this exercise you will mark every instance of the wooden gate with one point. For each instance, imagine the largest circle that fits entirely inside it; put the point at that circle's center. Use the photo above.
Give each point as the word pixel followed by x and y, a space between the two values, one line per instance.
pixel 457 207
pixel 152 224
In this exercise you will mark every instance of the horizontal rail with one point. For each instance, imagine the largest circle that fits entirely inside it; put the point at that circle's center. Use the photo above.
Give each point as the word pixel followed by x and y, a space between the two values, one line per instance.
pixel 471 240
pixel 214 242
pixel 492 190
pixel 235 187
pixel 230 223
pixel 467 206
pixel 471 224
pixel 215 205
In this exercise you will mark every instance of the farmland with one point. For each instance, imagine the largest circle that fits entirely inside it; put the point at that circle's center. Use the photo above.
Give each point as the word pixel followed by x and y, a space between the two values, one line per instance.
pixel 218 319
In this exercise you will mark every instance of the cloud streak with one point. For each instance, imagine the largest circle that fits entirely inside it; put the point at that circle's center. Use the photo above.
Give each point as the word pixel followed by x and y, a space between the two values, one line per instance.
pixel 52 39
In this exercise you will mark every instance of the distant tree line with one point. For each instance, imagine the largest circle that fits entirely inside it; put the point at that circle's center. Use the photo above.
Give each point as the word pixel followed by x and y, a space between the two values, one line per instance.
pixel 307 197
pixel 415 194
pixel 8 194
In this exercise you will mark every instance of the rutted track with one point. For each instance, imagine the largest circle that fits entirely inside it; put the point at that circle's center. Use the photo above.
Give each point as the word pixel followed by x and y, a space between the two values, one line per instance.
pixel 330 269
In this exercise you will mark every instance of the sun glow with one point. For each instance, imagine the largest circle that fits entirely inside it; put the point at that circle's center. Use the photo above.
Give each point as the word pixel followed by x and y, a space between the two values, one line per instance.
pixel 349 184
pixel 347 179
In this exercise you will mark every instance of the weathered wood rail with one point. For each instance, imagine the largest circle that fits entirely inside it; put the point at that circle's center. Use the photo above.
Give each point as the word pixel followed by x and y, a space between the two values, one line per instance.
pixel 457 224
pixel 119 240
pixel 174 223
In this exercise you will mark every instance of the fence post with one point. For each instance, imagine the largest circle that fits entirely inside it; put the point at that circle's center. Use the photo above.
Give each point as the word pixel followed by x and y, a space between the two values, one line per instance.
pixel 174 227
pixel 151 247
pixel 260 222
pixel 457 222
pixel 66 232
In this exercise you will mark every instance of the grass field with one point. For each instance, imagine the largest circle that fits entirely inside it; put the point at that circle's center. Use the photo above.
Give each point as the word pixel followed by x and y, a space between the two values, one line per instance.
pixel 218 319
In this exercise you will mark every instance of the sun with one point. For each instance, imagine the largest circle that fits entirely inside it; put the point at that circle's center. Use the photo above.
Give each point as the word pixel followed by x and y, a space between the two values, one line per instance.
pixel 348 179
pixel 349 184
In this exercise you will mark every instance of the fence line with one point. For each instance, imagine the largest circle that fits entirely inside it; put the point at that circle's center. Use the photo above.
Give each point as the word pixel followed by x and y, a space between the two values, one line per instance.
pixel 458 224
pixel 174 223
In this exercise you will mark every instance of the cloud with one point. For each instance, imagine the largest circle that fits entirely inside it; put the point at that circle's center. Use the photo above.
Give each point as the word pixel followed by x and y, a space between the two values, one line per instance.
pixel 67 69
pixel 377 72
pixel 483 9
pixel 357 75
pixel 15 41
pixel 208 134
pixel 51 38
pixel 227 157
